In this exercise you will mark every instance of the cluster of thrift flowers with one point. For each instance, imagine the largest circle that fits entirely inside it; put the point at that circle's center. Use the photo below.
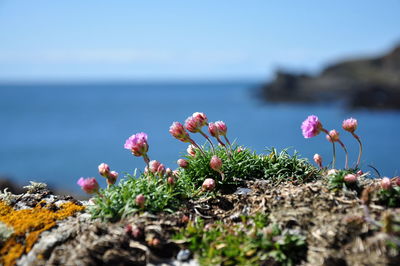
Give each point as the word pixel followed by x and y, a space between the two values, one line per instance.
pixel 90 185
pixel 194 124
pixel 312 126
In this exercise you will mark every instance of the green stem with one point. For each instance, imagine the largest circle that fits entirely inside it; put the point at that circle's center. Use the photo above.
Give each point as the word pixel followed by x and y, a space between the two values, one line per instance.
pixel 146 159
pixel 208 139
pixel 228 152
pixel 360 152
pixel 333 148
pixel 346 165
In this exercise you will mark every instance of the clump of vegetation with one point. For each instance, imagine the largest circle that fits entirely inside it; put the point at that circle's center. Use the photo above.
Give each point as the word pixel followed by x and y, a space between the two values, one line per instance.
pixel 252 242
pixel 389 193
pixel 344 179
pixel 156 194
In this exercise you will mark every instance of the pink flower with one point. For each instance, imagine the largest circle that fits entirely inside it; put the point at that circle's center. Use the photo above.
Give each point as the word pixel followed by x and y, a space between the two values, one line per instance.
pixel 333 136
pixel 191 150
pixel 140 200
pixel 350 124
pixel 137 144
pixel 89 185
pixel 311 127
pixel 386 183
pixel 192 124
pixel 112 178
pixel 222 129
pixel 201 118
pixel 318 159
pixel 396 180
pixel 213 129
pixel 239 149
pixel 350 178
pixel 183 163
pixel 178 131
pixel 360 172
pixel 216 163
pixel 104 169
pixel 208 184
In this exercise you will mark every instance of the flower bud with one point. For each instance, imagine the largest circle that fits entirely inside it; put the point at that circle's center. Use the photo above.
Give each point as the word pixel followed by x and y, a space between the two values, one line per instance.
pixel 397 180
pixel 161 169
pixel 168 172
pixel 201 118
pixel 183 163
pixel 104 169
pixel 208 184
pixel 171 180
pixel 222 129
pixel 153 166
pixel 239 149
pixel 213 129
pixel 386 183
pixel 178 131
pixel 89 185
pixel 192 124
pixel 350 178
pixel 191 150
pixel 360 172
pixel 112 178
pixel 350 125
pixel 318 159
pixel 216 163
pixel 333 136
pixel 140 200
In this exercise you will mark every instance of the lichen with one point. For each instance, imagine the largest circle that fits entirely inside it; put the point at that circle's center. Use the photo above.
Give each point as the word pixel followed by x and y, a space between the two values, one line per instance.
pixel 28 224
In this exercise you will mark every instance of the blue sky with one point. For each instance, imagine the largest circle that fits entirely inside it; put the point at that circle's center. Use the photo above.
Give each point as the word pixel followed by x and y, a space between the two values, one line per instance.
pixel 95 40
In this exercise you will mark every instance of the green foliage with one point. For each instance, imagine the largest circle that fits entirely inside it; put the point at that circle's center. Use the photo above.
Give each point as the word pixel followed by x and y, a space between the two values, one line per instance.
pixel 237 167
pixel 247 165
pixel 282 166
pixel 390 197
pixel 119 200
pixel 251 242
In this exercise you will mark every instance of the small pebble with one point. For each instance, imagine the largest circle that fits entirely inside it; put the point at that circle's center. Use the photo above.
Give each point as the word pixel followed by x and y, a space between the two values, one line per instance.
pixel 183 255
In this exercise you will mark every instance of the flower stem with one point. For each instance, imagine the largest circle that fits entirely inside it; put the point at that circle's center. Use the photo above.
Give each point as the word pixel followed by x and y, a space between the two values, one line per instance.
pixel 208 139
pixel 360 152
pixel 228 152
pixel 227 140
pixel 146 160
pixel 346 165
pixel 197 146
pixel 333 148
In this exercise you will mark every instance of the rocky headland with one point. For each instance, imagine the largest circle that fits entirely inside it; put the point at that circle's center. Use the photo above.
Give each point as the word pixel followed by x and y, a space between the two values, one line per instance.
pixel 364 82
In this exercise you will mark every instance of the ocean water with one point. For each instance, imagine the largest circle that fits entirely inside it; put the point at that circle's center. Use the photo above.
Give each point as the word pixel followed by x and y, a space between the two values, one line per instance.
pixel 58 133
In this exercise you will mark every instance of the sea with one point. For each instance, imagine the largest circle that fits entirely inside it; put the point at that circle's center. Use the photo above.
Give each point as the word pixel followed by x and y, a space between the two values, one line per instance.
pixel 57 133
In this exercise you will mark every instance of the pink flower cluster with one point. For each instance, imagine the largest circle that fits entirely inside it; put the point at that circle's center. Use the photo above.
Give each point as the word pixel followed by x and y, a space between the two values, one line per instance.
pixel 111 176
pixel 312 126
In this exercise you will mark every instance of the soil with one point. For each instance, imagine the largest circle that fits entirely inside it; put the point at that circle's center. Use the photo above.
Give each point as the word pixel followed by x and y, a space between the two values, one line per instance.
pixel 335 224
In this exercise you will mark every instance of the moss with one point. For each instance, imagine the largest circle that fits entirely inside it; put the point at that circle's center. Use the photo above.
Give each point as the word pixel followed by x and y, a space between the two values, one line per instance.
pixel 28 224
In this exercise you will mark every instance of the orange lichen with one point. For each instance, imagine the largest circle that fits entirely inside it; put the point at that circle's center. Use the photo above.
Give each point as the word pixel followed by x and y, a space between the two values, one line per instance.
pixel 28 224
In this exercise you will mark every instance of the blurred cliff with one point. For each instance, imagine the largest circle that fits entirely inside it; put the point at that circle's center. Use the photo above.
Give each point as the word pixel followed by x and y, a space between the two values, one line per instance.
pixel 365 82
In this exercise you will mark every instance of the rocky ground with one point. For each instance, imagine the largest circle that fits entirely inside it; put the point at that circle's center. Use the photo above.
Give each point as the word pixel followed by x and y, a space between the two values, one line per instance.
pixel 339 228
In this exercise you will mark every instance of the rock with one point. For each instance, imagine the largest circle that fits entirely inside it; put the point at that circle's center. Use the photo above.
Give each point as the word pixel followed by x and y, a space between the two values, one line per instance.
pixel 366 82
pixel 183 255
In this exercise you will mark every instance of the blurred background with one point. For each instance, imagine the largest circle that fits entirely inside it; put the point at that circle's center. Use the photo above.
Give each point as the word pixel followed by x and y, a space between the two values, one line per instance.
pixel 77 78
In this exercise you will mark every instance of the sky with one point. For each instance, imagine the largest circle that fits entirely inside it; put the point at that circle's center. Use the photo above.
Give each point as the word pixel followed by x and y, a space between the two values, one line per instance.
pixel 94 40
